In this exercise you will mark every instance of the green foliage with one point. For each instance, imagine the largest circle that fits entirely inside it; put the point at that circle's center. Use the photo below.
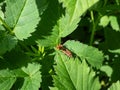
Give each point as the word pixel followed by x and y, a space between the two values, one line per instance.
pixel 7 79
pixel 74 9
pixel 71 74
pixel 59 44
pixel 104 21
pixel 107 69
pixel 115 51
pixel 113 22
pixel 30 74
pixel 91 54
pixel 24 19
pixel 49 34
pixel 1 14
pixel 33 79
pixel 115 86
pixel 7 43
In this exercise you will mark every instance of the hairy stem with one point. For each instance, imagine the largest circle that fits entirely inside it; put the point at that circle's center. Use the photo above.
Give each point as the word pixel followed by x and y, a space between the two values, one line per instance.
pixel 93 28
pixel 5 25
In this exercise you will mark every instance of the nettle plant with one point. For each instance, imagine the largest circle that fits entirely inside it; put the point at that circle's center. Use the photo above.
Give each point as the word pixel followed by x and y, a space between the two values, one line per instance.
pixel 59 45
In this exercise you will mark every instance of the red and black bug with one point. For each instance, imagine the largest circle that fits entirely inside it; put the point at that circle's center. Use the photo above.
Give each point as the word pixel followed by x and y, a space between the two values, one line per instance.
pixel 64 50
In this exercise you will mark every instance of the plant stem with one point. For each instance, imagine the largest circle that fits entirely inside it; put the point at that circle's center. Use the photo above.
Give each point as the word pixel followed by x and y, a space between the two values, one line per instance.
pixel 6 26
pixel 105 2
pixel 93 28
pixel 24 46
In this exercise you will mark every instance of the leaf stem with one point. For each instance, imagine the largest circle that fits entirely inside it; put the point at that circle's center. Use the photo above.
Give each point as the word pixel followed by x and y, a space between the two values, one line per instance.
pixel 6 26
pixel 24 46
pixel 93 28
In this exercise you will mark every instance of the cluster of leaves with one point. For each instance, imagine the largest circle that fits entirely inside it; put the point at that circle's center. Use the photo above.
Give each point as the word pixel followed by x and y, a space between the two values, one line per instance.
pixel 31 54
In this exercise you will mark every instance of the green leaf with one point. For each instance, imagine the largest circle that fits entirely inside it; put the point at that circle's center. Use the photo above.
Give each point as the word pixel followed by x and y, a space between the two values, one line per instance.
pixel 52 38
pixel 7 79
pixel 7 43
pixel 47 66
pixel 30 74
pixel 74 9
pixel 49 33
pixel 115 86
pixel 65 25
pixel 91 54
pixel 2 28
pixel 50 41
pixel 72 75
pixel 107 69
pixel 22 16
pixel 54 88
pixel 16 58
pixel 114 23
pixel 104 21
pixel 33 80
pixel 115 51
pixel 1 15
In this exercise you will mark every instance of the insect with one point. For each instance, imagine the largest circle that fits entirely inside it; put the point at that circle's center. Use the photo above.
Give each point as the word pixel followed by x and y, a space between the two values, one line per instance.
pixel 64 50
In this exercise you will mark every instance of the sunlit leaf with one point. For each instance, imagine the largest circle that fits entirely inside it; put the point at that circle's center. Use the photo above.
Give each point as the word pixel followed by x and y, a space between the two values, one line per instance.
pixel 22 16
pixel 74 9
pixel 104 21
pixel 71 74
pixel 114 23
pixel 115 86
pixel 107 69
pixel 32 81
pixel 91 54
